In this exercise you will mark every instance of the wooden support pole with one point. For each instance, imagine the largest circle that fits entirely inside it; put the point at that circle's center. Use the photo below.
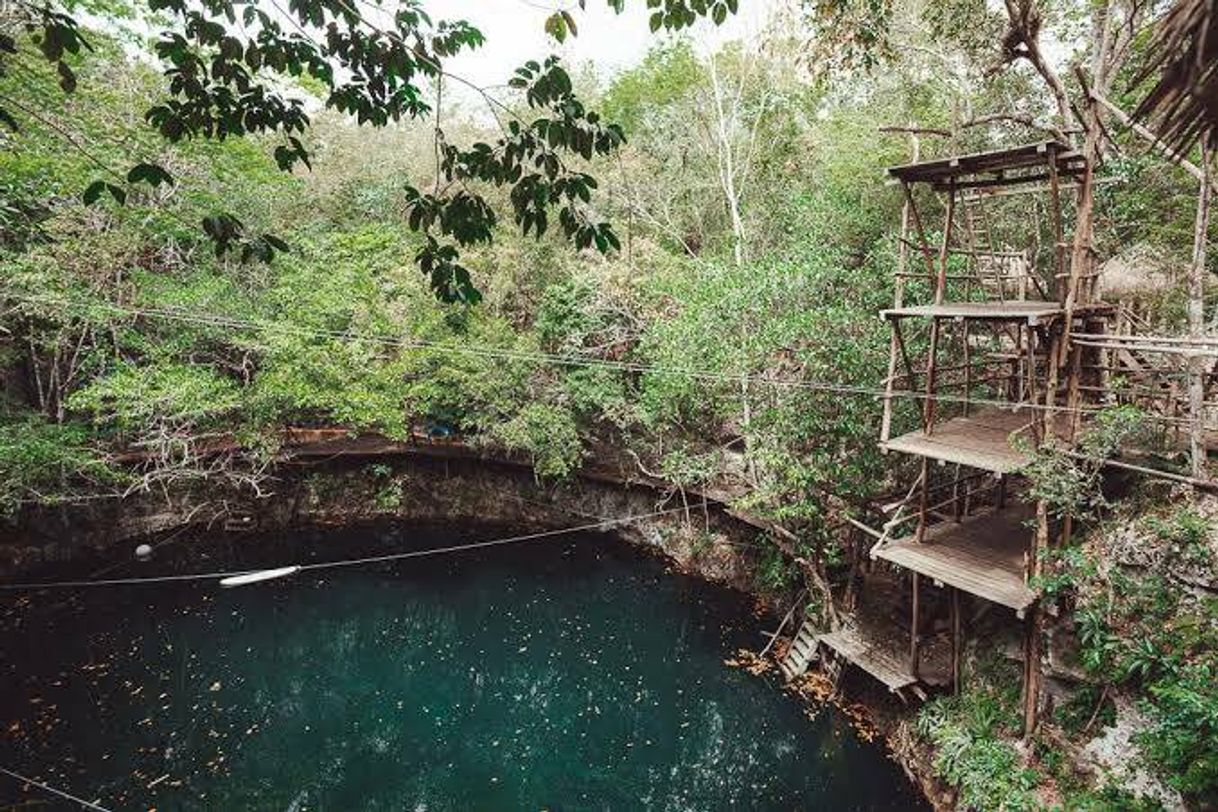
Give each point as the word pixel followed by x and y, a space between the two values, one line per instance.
pixel 957 495
pixel 1031 673
pixel 914 642
pixel 1082 252
pixel 949 221
pixel 886 418
pixel 1042 430
pixel 895 342
pixel 1055 211
pixel 917 221
pixel 957 642
pixel 968 367
pixel 923 500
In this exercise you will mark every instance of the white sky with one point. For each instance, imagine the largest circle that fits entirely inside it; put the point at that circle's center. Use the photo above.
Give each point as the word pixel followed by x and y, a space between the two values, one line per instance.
pixel 514 33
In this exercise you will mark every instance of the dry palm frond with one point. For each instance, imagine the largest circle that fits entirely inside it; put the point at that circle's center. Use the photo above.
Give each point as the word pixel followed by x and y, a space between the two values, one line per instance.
pixel 1184 58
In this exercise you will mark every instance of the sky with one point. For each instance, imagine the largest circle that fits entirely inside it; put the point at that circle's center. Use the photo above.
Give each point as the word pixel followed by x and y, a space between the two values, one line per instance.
pixel 514 33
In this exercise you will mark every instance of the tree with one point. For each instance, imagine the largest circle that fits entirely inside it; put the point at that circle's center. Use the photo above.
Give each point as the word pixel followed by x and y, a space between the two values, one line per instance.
pixel 226 60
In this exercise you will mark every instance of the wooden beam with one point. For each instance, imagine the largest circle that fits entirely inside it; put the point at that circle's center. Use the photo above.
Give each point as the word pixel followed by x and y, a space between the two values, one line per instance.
pixel 917 221
pixel 1155 141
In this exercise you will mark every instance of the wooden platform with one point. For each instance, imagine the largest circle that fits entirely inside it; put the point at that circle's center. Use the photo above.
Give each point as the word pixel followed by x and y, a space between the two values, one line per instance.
pixel 981 440
pixel 994 163
pixel 876 657
pixel 1031 312
pixel 982 555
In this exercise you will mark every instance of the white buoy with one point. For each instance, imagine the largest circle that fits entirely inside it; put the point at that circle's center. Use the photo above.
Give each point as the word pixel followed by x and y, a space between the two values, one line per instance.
pixel 143 552
pixel 256 577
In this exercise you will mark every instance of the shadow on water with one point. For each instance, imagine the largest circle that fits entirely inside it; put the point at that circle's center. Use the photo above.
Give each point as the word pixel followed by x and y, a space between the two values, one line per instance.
pixel 571 673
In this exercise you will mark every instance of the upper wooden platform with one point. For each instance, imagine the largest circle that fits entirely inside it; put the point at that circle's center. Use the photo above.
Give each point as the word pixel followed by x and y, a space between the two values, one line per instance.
pixel 984 555
pixel 981 440
pixel 1000 167
pixel 1031 312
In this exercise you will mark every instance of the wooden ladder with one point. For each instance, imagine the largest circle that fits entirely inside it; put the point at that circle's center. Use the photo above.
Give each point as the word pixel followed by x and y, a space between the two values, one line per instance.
pixel 802 652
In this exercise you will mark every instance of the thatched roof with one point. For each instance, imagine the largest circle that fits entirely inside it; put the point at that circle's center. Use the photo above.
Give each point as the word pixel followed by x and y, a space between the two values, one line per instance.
pixel 1183 62
pixel 1135 273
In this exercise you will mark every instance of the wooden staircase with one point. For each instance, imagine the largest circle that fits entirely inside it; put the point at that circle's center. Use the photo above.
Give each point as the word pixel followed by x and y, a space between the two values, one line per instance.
pixel 802 652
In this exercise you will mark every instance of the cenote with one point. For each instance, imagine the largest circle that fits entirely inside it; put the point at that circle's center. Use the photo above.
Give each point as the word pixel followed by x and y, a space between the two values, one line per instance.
pixel 570 673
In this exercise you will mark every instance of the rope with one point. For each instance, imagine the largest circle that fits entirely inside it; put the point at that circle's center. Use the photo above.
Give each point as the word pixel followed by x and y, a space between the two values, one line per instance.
pixel 494 353
pixel 349 562
pixel 53 791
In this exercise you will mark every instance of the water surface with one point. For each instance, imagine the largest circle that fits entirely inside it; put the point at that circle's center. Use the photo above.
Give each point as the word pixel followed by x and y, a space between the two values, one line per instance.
pixel 572 673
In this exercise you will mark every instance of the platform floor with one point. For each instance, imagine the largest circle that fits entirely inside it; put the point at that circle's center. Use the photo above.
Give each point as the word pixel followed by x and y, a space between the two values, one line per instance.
pixel 982 555
pixel 981 440
pixel 874 656
pixel 1031 312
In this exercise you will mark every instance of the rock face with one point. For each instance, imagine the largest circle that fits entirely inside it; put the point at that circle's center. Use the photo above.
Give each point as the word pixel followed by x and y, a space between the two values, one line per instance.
pixel 703 541
pixel 1114 755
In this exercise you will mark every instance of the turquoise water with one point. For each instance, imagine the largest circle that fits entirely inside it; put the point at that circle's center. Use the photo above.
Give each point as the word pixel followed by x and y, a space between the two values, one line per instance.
pixel 572 673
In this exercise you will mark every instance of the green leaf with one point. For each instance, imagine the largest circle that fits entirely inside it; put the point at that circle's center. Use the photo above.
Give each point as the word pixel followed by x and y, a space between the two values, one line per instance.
pixel 556 26
pixel 118 193
pixel 94 192
pixel 566 15
pixel 67 79
pixel 151 174
pixel 276 243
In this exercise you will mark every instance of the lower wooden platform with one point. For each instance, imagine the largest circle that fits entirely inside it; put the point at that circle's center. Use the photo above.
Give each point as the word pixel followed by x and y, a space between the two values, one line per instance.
pixel 983 555
pixel 875 656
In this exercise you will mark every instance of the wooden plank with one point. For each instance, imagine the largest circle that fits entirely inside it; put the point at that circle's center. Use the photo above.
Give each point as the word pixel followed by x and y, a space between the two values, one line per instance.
pixel 871 655
pixel 981 440
pixel 1030 311
pixel 1020 157
pixel 983 555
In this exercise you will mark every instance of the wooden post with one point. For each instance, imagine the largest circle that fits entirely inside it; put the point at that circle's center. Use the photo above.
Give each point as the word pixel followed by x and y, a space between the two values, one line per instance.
pixel 957 496
pixel 914 642
pixel 1055 205
pixel 895 344
pixel 968 367
pixel 923 500
pixel 956 640
pixel 928 406
pixel 1031 672
pixel 1037 550
pixel 1084 222
pixel 948 224
pixel 917 221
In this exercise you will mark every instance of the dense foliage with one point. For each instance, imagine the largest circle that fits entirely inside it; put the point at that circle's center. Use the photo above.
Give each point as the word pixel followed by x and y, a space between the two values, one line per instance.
pixel 1148 623
pixel 687 281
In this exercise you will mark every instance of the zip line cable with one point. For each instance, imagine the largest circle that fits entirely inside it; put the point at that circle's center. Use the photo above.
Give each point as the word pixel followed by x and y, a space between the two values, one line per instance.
pixel 217 320
pixel 350 562
pixel 53 791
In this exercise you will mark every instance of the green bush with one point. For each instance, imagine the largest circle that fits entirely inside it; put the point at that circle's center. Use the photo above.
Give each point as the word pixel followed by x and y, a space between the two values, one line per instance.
pixel 970 734
pixel 548 434
pixel 46 461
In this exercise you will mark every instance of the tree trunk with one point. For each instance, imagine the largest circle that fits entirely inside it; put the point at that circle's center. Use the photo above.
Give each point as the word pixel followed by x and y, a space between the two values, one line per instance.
pixel 1196 321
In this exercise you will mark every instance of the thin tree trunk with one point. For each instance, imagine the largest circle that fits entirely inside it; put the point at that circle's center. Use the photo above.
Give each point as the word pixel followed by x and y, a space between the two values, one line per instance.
pixel 1196 320
pixel 727 163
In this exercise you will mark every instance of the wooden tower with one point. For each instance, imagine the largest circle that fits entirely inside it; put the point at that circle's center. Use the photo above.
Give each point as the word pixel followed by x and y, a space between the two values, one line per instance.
pixel 980 364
